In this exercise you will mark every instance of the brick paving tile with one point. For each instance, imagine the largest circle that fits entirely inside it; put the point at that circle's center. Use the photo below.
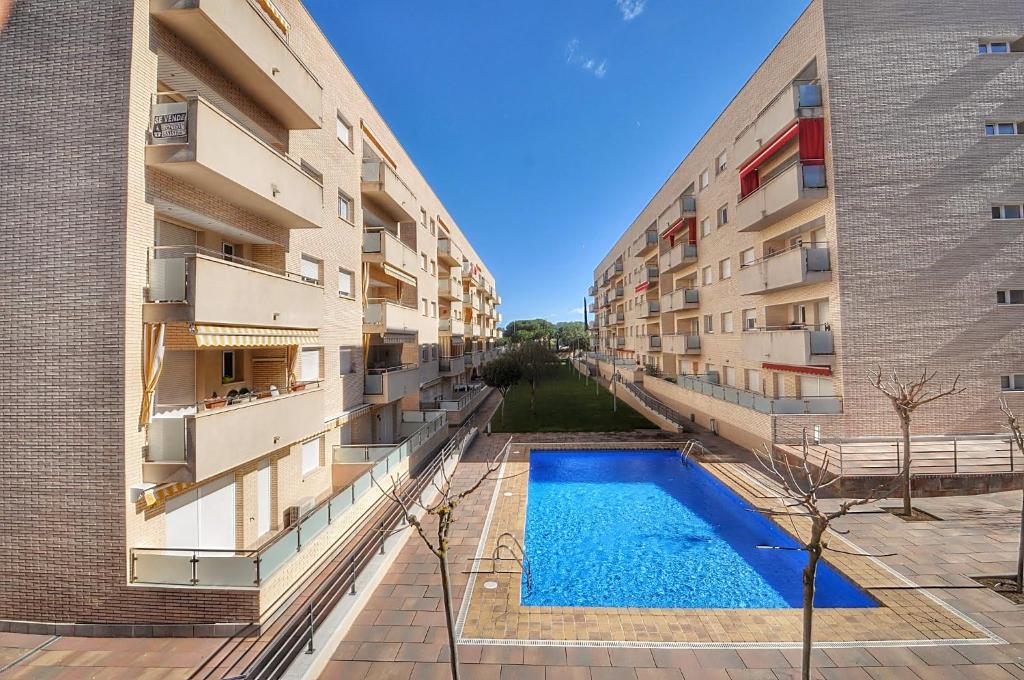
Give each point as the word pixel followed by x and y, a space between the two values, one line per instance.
pixel 719 658
pixel 431 671
pixel 751 674
pixel 502 655
pixel 892 673
pixel 683 659
pixel 390 671
pixel 481 671
pixel 635 658
pixel 612 673
pixel 544 656
pixel 346 670
pixel 418 651
pixel 659 674
pixel 522 673
pixel 378 651
pixel 587 656
pixel 844 673
pixel 407 634
pixel 851 657
pixel 763 658
pixel 567 673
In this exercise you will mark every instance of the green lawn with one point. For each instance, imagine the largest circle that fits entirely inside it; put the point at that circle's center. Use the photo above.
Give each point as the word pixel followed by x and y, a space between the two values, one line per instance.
pixel 566 402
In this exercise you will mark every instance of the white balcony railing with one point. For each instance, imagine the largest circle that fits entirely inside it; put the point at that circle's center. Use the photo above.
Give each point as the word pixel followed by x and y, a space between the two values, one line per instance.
pixel 798 266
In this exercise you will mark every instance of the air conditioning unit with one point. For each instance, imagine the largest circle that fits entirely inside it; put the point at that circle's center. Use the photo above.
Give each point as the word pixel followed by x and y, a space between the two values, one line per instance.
pixel 293 512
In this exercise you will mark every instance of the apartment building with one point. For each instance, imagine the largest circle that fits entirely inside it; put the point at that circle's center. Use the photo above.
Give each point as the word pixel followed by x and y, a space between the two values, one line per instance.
pixel 228 295
pixel 857 204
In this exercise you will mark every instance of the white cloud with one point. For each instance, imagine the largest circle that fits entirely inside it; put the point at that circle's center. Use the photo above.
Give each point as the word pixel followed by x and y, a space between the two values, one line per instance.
pixel 591 64
pixel 631 9
pixel 576 311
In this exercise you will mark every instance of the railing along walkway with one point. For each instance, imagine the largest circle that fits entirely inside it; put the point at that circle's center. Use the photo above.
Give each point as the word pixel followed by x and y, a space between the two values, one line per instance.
pixel 656 406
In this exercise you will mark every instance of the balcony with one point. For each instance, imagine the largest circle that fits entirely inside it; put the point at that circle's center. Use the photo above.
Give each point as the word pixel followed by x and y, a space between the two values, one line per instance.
pixel 592 307
pixel 785 194
pixel 799 266
pixel 381 183
pixel 646 242
pixel 614 294
pixel 385 385
pixel 387 250
pixel 680 299
pixel 476 359
pixel 452 366
pixel 652 276
pixel 249 569
pixel 620 341
pixel 382 316
pixel 682 207
pixel 616 318
pixel 188 283
pixel 450 289
pixel 681 344
pixel 798 99
pixel 653 343
pixel 207 149
pixel 241 40
pixel 197 442
pixel 791 346
pixel 498 317
pixel 650 308
pixel 448 253
pixel 474 330
pixel 451 326
pixel 592 291
pixel 461 405
pixel 681 255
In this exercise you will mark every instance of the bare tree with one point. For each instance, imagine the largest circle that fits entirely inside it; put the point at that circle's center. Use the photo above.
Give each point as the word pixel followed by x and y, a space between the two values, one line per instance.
pixel 906 397
pixel 443 509
pixel 1013 424
pixel 800 486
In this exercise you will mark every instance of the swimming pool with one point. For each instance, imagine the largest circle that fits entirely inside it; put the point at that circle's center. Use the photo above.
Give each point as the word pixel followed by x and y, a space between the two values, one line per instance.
pixel 643 529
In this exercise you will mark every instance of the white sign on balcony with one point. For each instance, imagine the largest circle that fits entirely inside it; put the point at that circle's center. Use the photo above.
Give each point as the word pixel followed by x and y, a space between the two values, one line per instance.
pixel 170 123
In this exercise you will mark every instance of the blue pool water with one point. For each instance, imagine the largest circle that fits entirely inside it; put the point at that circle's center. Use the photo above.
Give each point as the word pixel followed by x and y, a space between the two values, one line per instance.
pixel 643 529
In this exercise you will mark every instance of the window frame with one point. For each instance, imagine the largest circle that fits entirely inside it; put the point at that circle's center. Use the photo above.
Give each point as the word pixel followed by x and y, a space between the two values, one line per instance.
pixel 1010 382
pixel 986 47
pixel 704 179
pixel 722 215
pixel 349 128
pixel 1001 209
pixel 342 272
pixel 1008 295
pixel 992 128
pixel 350 204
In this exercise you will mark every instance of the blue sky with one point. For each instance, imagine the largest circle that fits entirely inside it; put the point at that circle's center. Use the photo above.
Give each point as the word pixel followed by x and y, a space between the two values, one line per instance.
pixel 546 125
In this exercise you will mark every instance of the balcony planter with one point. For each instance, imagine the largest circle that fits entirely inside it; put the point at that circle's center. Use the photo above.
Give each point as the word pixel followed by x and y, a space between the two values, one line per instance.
pixel 215 402
pixel 299 386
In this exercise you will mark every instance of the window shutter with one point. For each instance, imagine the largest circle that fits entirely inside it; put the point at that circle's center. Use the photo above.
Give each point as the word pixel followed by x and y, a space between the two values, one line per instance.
pixel 310 455
pixel 310 364
pixel 310 269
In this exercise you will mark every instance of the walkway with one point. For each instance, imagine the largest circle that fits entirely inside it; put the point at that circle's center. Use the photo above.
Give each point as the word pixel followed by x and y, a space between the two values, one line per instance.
pixel 400 635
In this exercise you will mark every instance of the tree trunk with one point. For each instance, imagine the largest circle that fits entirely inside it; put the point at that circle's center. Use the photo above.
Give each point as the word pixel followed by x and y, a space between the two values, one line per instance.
pixel 905 426
pixel 809 576
pixel 446 589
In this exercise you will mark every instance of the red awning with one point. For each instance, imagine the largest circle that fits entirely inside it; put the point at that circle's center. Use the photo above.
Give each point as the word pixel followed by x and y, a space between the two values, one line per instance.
pixel 812 141
pixel 643 286
pixel 679 225
pixel 805 370
pixel 771 149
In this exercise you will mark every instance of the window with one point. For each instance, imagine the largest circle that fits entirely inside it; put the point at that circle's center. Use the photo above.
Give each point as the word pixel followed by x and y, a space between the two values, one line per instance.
pixel 310 456
pixel 749 319
pixel 1003 129
pixel 1012 383
pixel 345 283
pixel 721 163
pixel 704 180
pixel 433 309
pixel 310 369
pixel 227 367
pixel 993 48
pixel 423 303
pixel 723 215
pixel 345 361
pixel 344 131
pixel 709 323
pixel 310 269
pixel 1006 212
pixel 729 375
pixel 753 379
pixel 228 250
pixel 433 227
pixel 433 268
pixel 346 207
pixel 424 353
pixel 705 226
pixel 423 261
pixel 746 257
pixel 423 218
pixel 816 386
pixel 725 268
pixel 727 322
pixel 1010 297
pixel 706 276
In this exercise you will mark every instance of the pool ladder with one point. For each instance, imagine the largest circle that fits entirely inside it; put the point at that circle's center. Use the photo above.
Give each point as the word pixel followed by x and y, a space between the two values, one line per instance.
pixel 514 552
pixel 689 448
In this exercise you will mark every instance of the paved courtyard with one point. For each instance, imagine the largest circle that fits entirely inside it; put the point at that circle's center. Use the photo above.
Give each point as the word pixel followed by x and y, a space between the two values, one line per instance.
pixel 401 635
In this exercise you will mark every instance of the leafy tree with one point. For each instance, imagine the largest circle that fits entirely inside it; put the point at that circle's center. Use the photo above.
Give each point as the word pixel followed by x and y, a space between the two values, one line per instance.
pixel 570 334
pixel 502 374
pixel 530 330
pixel 536 362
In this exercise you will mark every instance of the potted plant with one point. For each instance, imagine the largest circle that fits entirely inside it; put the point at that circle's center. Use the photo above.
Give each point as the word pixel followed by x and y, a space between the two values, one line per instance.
pixel 215 402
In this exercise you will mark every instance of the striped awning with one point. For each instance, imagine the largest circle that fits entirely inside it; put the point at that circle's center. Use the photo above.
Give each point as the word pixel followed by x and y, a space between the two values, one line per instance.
pixel 397 338
pixel 246 336
pixel 157 494
pixel 399 274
